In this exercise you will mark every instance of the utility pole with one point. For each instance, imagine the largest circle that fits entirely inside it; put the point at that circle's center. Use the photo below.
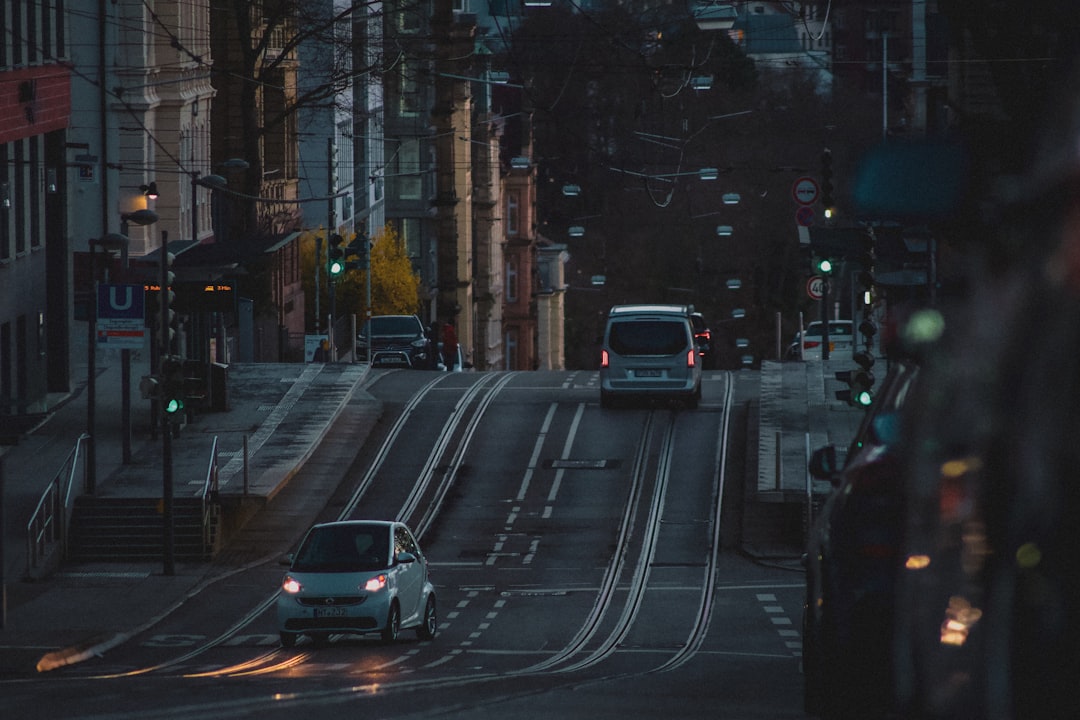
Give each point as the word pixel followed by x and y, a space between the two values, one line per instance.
pixel 318 260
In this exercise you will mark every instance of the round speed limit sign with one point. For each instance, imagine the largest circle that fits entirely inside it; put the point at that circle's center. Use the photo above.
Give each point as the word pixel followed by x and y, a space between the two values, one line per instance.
pixel 815 287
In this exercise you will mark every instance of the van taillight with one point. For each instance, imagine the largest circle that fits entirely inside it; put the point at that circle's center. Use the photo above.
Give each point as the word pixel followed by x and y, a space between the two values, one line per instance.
pixel 691 357
pixel 604 359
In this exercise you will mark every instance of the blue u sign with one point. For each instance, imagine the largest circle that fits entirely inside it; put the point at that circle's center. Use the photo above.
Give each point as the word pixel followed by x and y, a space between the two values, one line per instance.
pixel 120 301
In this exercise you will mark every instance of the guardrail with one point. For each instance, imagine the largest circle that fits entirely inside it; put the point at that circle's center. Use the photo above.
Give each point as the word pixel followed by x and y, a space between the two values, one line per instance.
pixel 210 498
pixel 48 523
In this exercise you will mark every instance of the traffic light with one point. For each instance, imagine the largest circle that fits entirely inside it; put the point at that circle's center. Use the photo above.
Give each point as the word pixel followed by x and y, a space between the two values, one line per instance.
pixel 161 317
pixel 172 387
pixel 864 258
pixel 826 183
pixel 823 265
pixel 868 330
pixel 860 381
pixel 335 264
pixel 360 249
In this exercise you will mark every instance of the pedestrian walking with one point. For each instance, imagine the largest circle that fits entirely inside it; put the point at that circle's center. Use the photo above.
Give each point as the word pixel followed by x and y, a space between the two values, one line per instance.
pixel 434 345
pixel 450 346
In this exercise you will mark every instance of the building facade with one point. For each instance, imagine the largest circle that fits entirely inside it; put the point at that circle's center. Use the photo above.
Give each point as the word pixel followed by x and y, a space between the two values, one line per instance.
pixel 35 272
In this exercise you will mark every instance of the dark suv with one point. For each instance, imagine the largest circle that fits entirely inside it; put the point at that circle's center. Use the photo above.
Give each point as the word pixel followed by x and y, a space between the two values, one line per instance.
pixel 396 341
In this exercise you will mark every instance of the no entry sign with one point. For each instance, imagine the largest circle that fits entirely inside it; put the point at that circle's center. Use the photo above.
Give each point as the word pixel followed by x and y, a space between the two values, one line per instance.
pixel 805 191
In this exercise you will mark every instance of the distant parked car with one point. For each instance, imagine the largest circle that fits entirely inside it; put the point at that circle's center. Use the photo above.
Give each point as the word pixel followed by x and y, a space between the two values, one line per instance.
pixel 356 577
pixel 703 339
pixel 852 562
pixel 841 338
pixel 460 365
pixel 396 341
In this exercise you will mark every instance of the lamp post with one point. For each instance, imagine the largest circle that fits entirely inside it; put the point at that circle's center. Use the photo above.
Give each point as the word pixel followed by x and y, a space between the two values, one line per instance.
pixel 110 243
pixel 211 182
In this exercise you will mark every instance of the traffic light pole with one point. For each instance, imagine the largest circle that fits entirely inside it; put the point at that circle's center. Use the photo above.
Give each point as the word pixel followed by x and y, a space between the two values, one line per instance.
pixel 166 434
pixel 824 310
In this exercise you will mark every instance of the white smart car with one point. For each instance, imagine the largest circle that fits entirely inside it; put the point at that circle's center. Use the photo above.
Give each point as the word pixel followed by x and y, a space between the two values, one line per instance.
pixel 356 576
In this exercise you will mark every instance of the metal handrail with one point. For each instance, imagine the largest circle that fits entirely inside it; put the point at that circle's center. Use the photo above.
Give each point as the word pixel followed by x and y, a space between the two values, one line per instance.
pixel 48 523
pixel 209 494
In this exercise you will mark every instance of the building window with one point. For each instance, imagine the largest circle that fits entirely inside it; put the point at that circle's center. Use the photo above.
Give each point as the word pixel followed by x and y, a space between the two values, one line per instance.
pixel 18 197
pixel 410 96
pixel 5 202
pixel 407 170
pixel 513 214
pixel 36 188
pixel 511 281
pixel 410 237
pixel 411 19
pixel 511 343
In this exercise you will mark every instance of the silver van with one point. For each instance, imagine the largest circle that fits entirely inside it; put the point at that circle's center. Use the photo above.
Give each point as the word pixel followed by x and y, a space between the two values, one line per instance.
pixel 648 351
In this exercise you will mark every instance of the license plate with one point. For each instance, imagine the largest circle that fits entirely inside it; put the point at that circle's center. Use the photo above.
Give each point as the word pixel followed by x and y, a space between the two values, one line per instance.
pixel 331 612
pixel 647 373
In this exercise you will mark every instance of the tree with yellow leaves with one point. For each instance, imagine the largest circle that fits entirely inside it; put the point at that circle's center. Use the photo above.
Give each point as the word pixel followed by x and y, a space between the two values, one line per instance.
pixel 395 285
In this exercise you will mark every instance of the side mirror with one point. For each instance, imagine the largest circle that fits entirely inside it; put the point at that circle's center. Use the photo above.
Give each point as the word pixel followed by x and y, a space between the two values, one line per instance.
pixel 286 560
pixel 403 558
pixel 823 463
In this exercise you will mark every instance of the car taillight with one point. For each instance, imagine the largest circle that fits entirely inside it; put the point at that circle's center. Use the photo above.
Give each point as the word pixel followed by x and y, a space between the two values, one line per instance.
pixel 291 585
pixel 604 359
pixel 691 357
pixel 811 344
pixel 376 583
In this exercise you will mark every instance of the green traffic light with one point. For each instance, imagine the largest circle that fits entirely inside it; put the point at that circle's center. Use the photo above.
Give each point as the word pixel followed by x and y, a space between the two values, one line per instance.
pixel 863 398
pixel 335 268
pixel 824 265
pixel 173 406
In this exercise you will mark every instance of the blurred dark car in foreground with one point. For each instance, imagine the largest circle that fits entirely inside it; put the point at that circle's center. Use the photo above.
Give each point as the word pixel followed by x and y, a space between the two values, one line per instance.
pixel 853 556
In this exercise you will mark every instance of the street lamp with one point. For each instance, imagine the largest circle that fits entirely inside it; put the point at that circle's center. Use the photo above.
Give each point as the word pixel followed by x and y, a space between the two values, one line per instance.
pixel 708 174
pixel 139 217
pixel 713 15
pixel 211 182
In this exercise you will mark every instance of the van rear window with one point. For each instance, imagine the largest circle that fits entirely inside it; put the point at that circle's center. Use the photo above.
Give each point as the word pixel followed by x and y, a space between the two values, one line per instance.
pixel 648 337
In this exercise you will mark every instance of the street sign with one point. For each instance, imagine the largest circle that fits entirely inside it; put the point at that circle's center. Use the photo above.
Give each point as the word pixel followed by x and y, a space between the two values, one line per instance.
pixel 121 318
pixel 815 287
pixel 805 190
pixel 804 216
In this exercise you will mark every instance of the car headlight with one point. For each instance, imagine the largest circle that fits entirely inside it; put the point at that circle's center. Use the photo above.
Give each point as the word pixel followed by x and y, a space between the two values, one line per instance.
pixel 376 583
pixel 291 585
pixel 419 343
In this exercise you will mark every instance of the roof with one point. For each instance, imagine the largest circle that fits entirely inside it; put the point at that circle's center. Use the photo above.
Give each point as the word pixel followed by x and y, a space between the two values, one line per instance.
pixel 681 310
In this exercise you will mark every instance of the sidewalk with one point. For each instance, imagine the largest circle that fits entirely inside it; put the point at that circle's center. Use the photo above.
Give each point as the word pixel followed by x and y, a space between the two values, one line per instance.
pixel 280 411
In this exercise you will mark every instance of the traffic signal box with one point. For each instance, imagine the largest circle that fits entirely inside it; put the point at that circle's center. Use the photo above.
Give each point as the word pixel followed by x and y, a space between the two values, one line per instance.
pixel 358 253
pixel 860 381
pixel 172 388
pixel 827 202
pixel 335 263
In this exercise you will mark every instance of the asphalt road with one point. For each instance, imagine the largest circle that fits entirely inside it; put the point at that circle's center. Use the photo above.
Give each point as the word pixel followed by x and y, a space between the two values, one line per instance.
pixel 585 561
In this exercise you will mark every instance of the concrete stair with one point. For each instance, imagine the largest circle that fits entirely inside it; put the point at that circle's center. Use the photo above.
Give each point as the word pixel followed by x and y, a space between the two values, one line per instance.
pixel 131 529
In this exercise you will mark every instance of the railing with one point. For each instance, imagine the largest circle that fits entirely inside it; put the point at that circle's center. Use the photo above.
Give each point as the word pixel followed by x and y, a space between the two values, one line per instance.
pixel 48 523
pixel 210 496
